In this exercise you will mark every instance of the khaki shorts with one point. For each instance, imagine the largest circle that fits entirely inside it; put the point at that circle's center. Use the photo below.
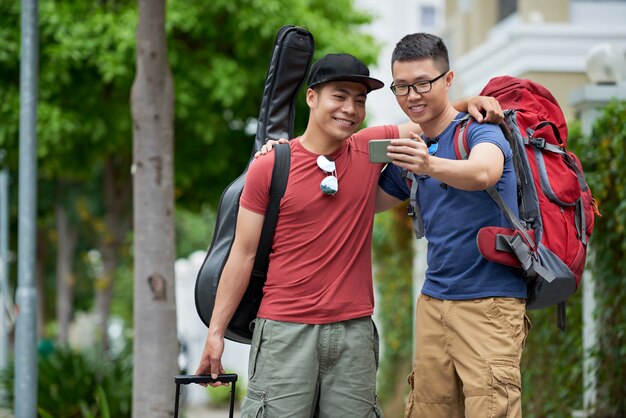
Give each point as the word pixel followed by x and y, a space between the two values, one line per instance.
pixel 467 358
pixel 299 370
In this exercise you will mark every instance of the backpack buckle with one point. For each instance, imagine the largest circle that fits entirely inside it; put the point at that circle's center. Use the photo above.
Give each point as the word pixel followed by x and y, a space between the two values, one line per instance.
pixel 538 142
pixel 410 211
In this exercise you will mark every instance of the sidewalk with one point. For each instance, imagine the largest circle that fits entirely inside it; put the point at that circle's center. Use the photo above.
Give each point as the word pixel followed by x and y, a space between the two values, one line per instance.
pixel 193 412
pixel 206 412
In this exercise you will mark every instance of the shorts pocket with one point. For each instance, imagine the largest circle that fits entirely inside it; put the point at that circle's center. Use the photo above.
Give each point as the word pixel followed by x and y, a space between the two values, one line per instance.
pixel 376 343
pixel 254 403
pixel 527 327
pixel 376 411
pixel 507 389
pixel 509 315
pixel 255 345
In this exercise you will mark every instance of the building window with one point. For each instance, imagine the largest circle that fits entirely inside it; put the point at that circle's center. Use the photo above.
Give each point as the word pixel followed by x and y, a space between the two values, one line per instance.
pixel 506 8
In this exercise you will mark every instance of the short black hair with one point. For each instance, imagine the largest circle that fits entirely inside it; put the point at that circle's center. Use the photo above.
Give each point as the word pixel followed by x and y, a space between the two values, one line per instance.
pixel 422 45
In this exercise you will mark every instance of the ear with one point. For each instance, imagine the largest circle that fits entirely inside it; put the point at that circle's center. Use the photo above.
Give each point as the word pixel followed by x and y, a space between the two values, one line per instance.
pixel 449 78
pixel 311 97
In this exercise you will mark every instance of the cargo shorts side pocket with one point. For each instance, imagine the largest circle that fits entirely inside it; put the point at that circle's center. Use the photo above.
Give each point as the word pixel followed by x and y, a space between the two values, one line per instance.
pixel 376 411
pixel 255 346
pixel 376 343
pixel 527 327
pixel 254 403
pixel 507 389
pixel 509 314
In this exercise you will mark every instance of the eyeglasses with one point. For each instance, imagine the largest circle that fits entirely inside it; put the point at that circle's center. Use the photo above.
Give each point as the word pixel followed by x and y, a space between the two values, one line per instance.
pixel 419 87
pixel 329 185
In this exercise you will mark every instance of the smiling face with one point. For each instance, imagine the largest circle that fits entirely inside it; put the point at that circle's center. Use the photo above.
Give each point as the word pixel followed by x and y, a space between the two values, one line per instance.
pixel 337 109
pixel 428 108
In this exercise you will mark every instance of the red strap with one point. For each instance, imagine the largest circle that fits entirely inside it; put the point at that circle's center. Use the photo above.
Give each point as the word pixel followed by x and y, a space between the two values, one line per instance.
pixel 461 146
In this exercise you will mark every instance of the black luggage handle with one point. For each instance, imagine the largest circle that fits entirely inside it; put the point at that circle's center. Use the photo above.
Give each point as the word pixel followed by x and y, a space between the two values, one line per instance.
pixel 224 378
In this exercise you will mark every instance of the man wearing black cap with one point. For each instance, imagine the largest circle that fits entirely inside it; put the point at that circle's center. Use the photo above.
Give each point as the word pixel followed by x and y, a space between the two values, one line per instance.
pixel 314 344
pixel 315 347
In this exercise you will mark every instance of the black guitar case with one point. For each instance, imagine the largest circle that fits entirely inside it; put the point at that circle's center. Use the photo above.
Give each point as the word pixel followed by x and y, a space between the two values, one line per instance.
pixel 291 58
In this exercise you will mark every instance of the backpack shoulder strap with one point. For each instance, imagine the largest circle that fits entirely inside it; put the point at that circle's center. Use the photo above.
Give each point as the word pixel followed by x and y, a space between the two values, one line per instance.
pixel 413 209
pixel 280 175
pixel 461 146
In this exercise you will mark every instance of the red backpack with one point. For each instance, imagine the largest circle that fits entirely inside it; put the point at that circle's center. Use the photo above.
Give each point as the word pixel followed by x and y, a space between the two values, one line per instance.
pixel 549 239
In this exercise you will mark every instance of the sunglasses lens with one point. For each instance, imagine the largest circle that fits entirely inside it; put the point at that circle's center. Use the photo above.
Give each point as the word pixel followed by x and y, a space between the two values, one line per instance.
pixel 329 185
pixel 325 164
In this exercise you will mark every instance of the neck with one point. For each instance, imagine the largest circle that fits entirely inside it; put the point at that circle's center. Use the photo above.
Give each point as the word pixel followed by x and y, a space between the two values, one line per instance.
pixel 440 123
pixel 320 143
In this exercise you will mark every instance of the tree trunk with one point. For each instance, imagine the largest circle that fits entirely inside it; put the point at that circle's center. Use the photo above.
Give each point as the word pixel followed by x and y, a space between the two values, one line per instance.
pixel 67 237
pixel 152 102
pixel 117 195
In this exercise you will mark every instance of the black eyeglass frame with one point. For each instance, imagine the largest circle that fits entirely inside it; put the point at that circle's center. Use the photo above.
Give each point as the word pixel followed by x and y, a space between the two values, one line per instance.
pixel 413 86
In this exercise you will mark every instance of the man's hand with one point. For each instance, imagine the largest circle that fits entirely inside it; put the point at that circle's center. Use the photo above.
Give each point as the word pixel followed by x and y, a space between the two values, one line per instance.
pixel 485 109
pixel 211 360
pixel 269 145
pixel 411 154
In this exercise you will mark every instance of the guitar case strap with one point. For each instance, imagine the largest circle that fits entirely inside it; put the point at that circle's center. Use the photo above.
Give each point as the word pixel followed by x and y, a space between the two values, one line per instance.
pixel 291 59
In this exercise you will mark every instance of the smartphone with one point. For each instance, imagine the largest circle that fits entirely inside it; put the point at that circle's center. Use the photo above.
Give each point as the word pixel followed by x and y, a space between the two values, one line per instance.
pixel 378 150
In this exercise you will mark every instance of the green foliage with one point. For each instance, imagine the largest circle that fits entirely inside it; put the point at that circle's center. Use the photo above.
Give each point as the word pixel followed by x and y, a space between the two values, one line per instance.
pixel 75 384
pixel 194 231
pixel 219 52
pixel 393 260
pixel 220 68
pixel 603 155
pixel 552 363
pixel 84 79
pixel 220 396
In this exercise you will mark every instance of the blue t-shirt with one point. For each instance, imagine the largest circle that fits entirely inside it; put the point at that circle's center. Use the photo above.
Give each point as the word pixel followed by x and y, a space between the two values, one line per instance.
pixel 452 217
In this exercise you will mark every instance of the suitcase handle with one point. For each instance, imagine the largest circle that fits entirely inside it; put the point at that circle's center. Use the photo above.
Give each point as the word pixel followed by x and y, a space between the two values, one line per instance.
pixel 224 378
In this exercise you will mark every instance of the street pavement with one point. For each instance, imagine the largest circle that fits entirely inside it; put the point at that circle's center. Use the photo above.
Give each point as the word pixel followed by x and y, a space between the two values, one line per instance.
pixel 191 412
pixel 206 412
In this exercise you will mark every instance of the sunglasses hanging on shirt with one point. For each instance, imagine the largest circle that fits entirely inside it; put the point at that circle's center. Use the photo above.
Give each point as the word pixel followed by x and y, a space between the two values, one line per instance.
pixel 329 185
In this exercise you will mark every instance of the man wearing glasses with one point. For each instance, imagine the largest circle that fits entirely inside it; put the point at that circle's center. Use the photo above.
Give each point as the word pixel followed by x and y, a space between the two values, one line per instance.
pixel 470 322
pixel 315 347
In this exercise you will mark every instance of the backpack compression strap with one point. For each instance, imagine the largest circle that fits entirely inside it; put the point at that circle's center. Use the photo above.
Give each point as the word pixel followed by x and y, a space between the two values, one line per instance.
pixel 413 210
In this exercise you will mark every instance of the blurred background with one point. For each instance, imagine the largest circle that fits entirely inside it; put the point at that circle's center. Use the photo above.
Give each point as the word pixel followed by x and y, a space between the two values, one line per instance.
pixel 84 266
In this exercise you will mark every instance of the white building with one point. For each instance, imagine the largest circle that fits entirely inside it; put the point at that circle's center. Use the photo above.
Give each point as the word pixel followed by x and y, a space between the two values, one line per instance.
pixel 547 41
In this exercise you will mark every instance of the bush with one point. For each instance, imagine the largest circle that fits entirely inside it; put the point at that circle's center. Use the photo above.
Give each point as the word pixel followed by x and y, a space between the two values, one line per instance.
pixel 220 396
pixel 83 384
pixel 604 160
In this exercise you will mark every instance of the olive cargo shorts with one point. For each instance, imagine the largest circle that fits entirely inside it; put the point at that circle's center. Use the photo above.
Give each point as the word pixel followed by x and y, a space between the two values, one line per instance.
pixel 467 358
pixel 295 369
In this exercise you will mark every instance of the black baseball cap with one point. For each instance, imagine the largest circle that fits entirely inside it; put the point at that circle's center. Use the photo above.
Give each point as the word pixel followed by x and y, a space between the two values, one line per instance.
pixel 342 67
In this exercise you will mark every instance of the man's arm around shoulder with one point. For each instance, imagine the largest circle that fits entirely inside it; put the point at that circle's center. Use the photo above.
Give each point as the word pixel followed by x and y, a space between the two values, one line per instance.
pixel 233 284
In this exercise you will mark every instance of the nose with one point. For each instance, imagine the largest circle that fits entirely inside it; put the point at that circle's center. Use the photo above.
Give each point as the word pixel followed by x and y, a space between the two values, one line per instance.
pixel 348 107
